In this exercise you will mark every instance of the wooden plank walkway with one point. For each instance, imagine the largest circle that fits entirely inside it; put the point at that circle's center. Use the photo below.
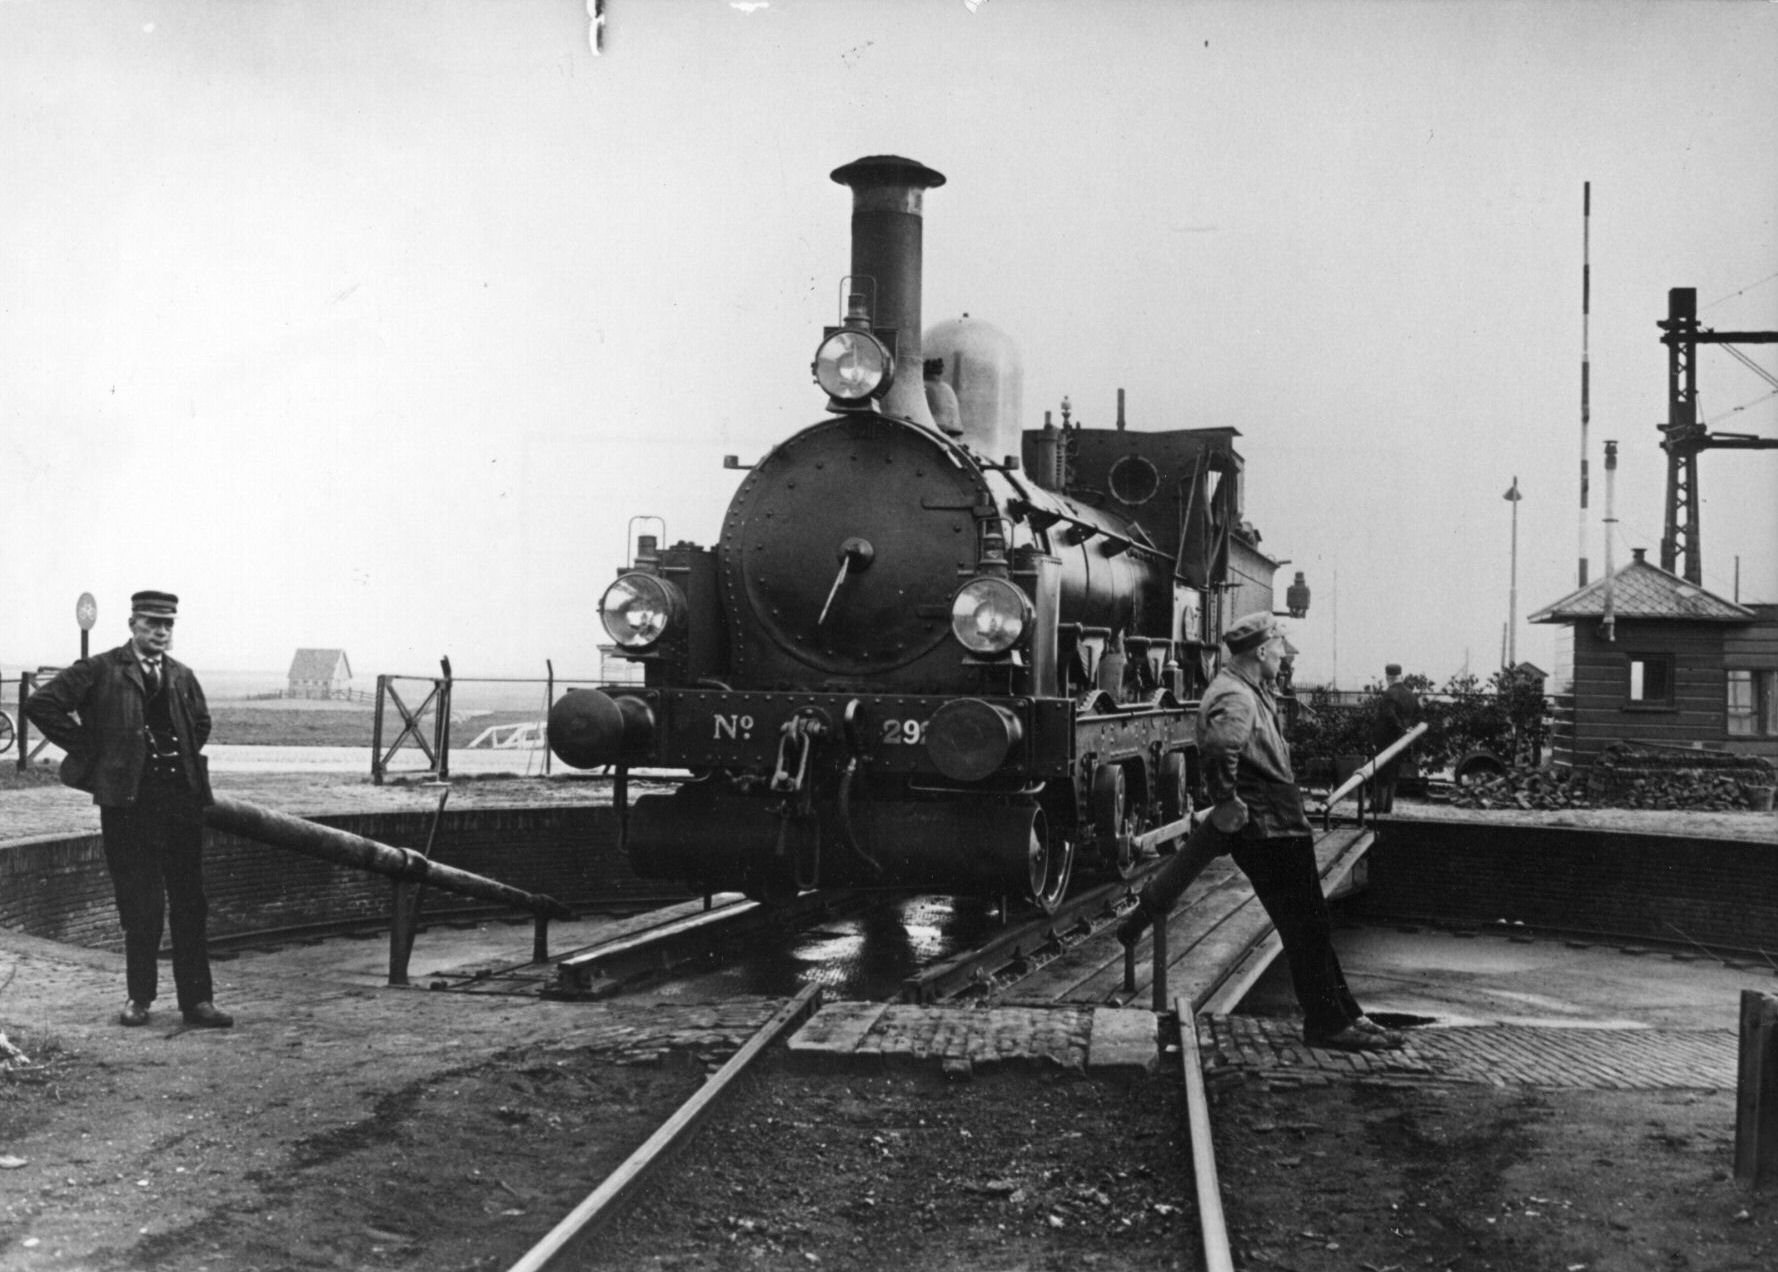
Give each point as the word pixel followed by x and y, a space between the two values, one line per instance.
pixel 1219 938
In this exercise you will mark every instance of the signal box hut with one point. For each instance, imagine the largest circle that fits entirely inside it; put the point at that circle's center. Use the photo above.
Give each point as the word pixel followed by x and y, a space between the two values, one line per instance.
pixel 320 673
pixel 1685 668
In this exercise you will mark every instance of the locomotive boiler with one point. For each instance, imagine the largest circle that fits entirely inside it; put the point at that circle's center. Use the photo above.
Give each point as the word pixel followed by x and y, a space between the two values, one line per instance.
pixel 929 647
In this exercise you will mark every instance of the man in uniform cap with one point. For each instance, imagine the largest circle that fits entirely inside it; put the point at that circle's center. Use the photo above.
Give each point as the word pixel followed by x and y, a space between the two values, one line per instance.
pixel 1398 710
pixel 1257 817
pixel 133 722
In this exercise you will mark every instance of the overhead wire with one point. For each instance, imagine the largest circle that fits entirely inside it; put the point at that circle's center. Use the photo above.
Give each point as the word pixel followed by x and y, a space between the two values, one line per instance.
pixel 1751 365
pixel 1758 370
pixel 1713 582
pixel 1732 295
pixel 1745 361
pixel 1736 410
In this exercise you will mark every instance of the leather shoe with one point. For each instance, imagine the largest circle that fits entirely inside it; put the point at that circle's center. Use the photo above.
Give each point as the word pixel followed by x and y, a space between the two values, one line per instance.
pixel 1396 1037
pixel 1352 1038
pixel 133 1013
pixel 206 1016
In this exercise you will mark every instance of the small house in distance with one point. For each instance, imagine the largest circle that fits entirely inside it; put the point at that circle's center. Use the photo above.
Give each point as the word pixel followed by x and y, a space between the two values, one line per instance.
pixel 320 673
pixel 1682 667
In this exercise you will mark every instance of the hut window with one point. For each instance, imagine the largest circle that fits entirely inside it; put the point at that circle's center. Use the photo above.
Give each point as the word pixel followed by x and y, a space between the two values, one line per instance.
pixel 1752 703
pixel 1651 680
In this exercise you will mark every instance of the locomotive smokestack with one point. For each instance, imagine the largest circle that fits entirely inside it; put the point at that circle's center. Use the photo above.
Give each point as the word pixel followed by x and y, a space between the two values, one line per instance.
pixel 887 223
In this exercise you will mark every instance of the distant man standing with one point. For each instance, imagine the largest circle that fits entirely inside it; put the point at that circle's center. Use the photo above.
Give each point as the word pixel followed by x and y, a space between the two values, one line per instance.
pixel 1398 710
pixel 133 722
pixel 1257 817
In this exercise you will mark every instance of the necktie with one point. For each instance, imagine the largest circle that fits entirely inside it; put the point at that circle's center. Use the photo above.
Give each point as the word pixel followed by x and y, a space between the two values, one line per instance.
pixel 154 676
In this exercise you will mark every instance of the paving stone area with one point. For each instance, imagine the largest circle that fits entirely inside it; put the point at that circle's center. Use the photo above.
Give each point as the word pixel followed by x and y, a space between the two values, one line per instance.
pixel 1500 1055
pixel 963 1038
pixel 1097 1039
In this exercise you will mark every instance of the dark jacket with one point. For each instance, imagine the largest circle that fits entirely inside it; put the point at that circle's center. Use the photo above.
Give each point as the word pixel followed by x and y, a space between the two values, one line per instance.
pixel 1398 710
pixel 95 711
pixel 1242 745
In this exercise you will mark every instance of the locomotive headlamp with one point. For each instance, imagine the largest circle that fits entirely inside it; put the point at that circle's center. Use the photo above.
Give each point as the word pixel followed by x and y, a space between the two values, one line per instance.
pixel 853 365
pixel 989 615
pixel 639 609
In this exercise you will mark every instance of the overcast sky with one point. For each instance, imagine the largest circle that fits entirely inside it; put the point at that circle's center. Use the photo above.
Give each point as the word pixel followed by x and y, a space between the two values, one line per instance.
pixel 372 325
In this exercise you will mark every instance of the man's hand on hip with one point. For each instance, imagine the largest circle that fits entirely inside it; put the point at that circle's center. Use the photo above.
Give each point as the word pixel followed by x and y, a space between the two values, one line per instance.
pixel 1229 816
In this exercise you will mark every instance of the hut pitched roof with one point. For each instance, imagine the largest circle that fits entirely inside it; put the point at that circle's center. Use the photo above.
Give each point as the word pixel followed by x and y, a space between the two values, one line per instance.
pixel 1641 590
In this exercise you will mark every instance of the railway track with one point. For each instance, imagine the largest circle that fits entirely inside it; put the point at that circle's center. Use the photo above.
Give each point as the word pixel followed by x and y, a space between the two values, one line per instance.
pixel 1046 950
pixel 561 1243
pixel 575 1233
pixel 1063 958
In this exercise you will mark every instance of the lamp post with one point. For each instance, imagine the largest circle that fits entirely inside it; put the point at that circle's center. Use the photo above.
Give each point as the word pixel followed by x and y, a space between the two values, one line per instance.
pixel 1512 496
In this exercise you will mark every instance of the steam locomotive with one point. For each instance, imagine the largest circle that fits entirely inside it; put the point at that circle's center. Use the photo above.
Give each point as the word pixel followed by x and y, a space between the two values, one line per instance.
pixel 928 648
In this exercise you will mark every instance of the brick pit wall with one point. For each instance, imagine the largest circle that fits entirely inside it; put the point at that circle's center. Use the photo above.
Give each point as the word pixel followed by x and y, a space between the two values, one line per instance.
pixel 1715 892
pixel 57 886
pixel 1650 887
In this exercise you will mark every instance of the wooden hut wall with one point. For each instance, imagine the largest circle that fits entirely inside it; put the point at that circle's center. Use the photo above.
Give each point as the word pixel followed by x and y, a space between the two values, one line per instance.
pixel 1754 647
pixel 1603 712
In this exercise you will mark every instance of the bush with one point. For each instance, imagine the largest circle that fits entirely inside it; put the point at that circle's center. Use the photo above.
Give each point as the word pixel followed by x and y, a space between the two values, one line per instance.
pixel 1506 717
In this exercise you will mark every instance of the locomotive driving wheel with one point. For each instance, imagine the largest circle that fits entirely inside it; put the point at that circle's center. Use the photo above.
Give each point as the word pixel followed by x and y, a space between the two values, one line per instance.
pixel 1176 795
pixel 1115 818
pixel 1049 864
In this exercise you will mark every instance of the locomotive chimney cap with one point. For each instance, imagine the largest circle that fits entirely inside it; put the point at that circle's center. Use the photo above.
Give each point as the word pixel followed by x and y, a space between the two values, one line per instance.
pixel 887 170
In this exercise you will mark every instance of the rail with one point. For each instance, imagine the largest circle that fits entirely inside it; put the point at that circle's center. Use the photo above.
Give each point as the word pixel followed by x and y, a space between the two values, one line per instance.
pixel 1212 1226
pixel 601 969
pixel 562 1240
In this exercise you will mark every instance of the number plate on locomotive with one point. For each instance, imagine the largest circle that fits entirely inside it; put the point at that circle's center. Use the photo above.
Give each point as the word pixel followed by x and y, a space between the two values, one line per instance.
pixel 743 729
